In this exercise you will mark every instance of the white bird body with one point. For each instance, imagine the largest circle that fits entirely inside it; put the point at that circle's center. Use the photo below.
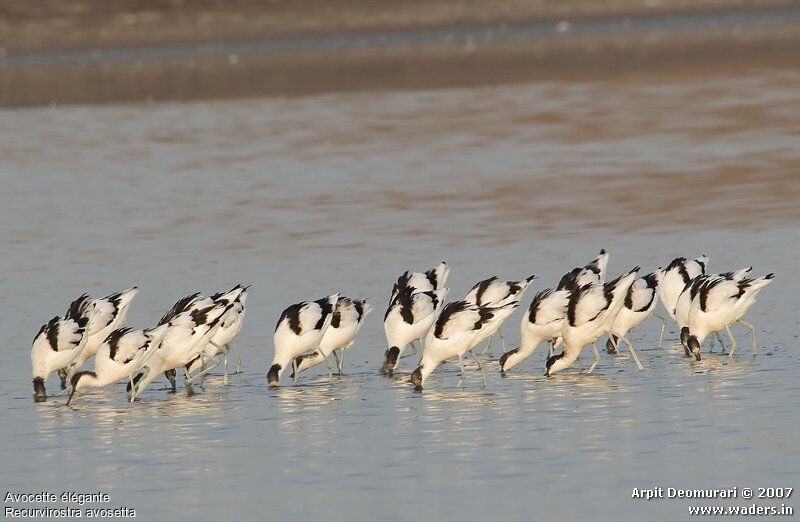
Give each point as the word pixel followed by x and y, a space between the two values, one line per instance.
pixel 638 305
pixel 187 335
pixel 340 335
pixel 719 303
pixel 593 272
pixel 678 274
pixel 299 330
pixel 493 292
pixel 433 279
pixel 229 326
pixel 591 311
pixel 105 315
pixel 55 347
pixel 458 329
pixel 684 302
pixel 543 322
pixel 408 318
pixel 123 353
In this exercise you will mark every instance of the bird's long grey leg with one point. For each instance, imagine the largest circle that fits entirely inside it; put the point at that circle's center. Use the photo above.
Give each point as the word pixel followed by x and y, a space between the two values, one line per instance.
pixel 238 357
pixel 204 372
pixel 663 327
pixel 752 334
pixel 502 339
pixel 480 367
pixel 463 371
pixel 596 359
pixel 339 363
pixel 614 342
pixel 225 371
pixel 721 342
pixel 412 354
pixel 488 346
pixel 552 348
pixel 633 352
pixel 733 341
pixel 328 365
pixel 294 367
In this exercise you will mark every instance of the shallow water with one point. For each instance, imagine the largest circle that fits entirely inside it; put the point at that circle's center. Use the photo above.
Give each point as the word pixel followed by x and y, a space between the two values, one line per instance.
pixel 309 196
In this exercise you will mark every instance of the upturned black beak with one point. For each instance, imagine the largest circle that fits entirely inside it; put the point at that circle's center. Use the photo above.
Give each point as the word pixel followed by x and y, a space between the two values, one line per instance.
pixel 71 393
pixel 416 379
pixel 390 360
pixel 39 394
pixel 272 376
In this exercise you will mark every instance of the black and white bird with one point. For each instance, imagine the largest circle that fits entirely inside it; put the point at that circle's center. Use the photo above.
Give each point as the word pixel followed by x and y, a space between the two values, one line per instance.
pixel 229 328
pixel 187 335
pixel 593 272
pixel 459 328
pixel 493 292
pixel 543 322
pixel 55 347
pixel 299 330
pixel 347 319
pixel 719 303
pixel 122 354
pixel 433 279
pixel 409 317
pixel 677 275
pixel 684 303
pixel 591 311
pixel 105 315
pixel 639 303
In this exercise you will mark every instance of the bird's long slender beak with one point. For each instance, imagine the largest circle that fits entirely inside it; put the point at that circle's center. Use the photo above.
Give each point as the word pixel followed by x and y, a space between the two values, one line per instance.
pixel 71 390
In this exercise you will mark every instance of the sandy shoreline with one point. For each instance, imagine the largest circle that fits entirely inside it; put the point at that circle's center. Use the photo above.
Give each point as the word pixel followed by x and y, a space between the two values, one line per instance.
pixel 305 49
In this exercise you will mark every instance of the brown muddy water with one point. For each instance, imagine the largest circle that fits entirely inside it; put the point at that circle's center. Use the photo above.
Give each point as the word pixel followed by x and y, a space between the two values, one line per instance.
pixel 306 196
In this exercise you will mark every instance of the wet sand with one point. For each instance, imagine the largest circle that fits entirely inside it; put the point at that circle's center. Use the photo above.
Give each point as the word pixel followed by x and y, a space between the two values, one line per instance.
pixel 298 49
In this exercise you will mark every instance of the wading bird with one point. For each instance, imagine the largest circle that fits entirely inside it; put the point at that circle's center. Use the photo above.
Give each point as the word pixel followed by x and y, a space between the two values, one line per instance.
pixel 55 348
pixel 459 328
pixel 347 320
pixel 543 322
pixel 299 330
pixel 408 318
pixel 591 311
pixel 493 292
pixel 105 315
pixel 123 353
pixel 719 303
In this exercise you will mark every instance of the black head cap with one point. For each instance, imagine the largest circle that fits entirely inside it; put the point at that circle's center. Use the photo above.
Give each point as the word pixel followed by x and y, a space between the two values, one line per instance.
pixel 390 360
pixel 504 358
pixel 685 336
pixel 551 361
pixel 39 394
pixel 694 346
pixel 416 379
pixel 272 375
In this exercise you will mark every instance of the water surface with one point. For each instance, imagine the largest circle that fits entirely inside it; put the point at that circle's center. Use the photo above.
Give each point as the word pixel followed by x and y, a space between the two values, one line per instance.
pixel 308 196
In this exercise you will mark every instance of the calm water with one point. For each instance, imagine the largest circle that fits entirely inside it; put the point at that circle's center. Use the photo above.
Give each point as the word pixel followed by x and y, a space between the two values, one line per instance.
pixel 309 196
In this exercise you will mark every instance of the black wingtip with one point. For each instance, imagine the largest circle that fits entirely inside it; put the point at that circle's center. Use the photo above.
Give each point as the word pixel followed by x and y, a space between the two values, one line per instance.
pixel 602 251
pixel 635 269
pixel 769 276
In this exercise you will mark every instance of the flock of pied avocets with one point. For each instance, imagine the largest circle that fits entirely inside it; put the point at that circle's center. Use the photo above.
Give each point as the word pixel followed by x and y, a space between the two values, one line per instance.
pixel 580 310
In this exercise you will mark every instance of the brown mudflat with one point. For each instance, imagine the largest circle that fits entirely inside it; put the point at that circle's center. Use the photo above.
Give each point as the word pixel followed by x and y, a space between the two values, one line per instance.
pixel 88 51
